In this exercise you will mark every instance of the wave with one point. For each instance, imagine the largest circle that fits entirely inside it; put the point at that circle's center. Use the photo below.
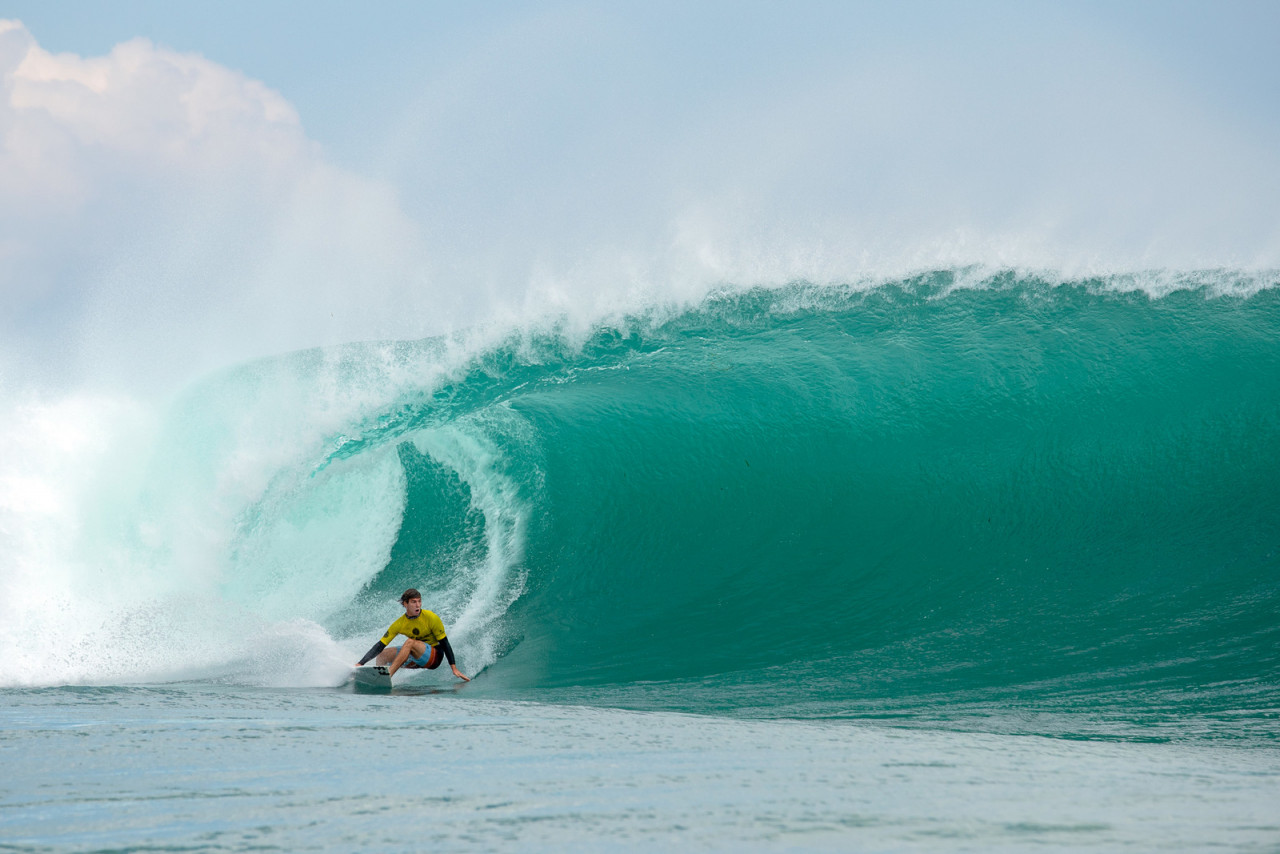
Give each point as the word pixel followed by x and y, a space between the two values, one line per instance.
pixel 798 500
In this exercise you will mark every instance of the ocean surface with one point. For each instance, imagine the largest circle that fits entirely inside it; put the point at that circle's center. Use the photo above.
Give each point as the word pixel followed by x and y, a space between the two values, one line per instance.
pixel 967 561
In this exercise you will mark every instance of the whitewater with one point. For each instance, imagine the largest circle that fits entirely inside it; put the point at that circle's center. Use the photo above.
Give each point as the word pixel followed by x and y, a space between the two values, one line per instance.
pixel 965 560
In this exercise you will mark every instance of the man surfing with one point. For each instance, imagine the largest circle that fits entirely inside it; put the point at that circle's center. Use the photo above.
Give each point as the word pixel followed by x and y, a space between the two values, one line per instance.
pixel 423 631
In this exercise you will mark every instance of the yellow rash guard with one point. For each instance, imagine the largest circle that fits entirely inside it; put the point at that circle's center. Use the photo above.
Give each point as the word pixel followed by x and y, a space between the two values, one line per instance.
pixel 424 627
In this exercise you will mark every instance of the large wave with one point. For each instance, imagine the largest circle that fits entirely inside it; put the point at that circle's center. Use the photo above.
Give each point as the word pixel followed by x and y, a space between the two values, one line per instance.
pixel 797 500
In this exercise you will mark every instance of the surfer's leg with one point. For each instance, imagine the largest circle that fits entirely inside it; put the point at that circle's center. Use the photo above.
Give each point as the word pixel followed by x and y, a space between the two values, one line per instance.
pixel 387 655
pixel 411 647
pixel 424 657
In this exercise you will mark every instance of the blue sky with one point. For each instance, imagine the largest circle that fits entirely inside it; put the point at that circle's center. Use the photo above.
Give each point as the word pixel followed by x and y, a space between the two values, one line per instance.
pixel 259 177
pixel 352 71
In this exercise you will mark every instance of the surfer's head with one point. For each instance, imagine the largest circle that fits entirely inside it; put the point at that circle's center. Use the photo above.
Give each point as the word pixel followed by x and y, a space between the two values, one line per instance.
pixel 412 601
pixel 411 593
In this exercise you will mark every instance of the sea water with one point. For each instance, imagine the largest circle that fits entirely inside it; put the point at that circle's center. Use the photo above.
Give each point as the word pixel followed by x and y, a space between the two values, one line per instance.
pixel 194 767
pixel 960 562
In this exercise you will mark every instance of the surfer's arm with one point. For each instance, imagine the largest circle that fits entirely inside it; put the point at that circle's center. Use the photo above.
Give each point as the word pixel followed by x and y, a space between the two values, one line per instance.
pixel 382 644
pixel 373 650
pixel 447 649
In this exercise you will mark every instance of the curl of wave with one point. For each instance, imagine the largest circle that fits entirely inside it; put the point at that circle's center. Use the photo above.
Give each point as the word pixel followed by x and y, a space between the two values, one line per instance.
pixel 800 500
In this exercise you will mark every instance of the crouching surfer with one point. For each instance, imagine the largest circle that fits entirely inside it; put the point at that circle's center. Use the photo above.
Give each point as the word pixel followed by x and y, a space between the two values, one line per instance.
pixel 425 643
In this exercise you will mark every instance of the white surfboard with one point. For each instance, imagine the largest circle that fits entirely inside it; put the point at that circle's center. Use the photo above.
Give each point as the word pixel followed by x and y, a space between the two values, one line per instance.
pixel 377 677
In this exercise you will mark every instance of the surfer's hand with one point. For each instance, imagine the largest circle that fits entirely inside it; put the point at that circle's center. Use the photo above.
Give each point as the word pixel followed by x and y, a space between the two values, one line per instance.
pixel 458 673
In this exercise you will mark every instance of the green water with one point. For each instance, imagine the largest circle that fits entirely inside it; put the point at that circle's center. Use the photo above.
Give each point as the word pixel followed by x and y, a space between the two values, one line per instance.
pixel 817 502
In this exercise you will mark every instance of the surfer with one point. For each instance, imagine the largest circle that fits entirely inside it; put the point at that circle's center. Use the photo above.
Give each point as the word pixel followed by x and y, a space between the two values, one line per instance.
pixel 423 631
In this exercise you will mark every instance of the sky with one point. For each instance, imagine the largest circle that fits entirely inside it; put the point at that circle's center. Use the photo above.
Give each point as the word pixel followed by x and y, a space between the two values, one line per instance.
pixel 183 186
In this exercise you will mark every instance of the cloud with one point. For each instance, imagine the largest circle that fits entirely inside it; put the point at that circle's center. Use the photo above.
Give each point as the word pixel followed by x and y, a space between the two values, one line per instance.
pixel 162 213
pixel 141 107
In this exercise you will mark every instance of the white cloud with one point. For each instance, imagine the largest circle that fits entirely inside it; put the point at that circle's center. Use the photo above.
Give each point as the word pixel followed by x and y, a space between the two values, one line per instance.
pixel 71 124
pixel 161 213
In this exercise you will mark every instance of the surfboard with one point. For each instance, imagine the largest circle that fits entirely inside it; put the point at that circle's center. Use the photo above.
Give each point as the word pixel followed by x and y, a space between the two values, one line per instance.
pixel 375 677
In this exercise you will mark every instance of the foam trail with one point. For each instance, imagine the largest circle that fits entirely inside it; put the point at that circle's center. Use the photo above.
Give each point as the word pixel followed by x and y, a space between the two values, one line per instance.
pixel 145 544
pixel 65 467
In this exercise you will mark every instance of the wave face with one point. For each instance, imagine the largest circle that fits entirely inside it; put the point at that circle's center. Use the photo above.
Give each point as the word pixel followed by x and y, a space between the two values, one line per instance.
pixel 799 501
pixel 805 501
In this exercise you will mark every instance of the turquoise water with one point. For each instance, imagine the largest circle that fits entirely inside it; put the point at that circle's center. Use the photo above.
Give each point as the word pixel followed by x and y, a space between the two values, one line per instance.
pixel 955 562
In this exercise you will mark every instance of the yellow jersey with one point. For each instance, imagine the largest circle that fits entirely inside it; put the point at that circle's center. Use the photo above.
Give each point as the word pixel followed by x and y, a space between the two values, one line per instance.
pixel 424 627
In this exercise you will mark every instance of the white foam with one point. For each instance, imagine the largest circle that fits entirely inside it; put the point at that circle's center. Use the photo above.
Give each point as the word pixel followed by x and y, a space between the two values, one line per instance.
pixel 125 550
pixel 179 541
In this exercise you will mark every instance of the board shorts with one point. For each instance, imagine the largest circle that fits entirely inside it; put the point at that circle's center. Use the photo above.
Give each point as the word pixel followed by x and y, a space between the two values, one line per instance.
pixel 429 660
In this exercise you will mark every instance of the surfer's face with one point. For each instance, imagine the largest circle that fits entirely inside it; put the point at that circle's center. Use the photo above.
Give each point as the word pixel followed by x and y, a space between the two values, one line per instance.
pixel 413 607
